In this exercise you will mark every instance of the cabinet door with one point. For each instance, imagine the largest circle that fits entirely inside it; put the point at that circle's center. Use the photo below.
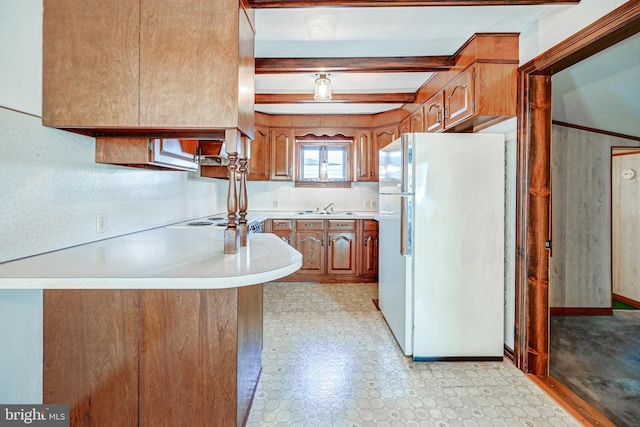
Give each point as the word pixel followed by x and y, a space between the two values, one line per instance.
pixel 381 138
pixel 405 126
pixel 90 66
pixel 342 253
pixel 363 155
pixel 260 156
pixel 187 65
pixel 283 228
pixel 459 98
pixel 90 354
pixel 369 253
pixel 433 117
pixel 282 144
pixel 311 245
pixel 417 121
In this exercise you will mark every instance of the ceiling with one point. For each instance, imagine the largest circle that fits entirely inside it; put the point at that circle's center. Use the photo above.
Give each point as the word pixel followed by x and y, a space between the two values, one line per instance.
pixel 361 33
pixel 587 94
pixel 602 92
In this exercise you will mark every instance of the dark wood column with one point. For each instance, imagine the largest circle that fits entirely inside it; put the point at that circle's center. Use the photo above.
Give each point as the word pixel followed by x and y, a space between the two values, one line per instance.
pixel 534 171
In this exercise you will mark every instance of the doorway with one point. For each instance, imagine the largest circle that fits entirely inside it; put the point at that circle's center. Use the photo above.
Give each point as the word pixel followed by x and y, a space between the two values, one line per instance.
pixel 533 235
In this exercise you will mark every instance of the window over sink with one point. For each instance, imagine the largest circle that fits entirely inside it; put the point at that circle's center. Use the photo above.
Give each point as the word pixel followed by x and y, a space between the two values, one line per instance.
pixel 323 161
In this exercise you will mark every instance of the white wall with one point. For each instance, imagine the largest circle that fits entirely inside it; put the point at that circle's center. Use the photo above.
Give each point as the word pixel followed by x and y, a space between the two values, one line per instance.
pixel 560 23
pixel 264 195
pixel 508 129
pixel 51 190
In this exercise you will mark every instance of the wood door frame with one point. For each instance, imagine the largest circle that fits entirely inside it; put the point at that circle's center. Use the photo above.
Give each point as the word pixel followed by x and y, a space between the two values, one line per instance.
pixel 533 198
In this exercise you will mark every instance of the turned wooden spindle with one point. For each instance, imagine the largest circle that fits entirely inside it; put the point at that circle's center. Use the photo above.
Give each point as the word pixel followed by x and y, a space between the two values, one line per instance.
pixel 231 233
pixel 243 198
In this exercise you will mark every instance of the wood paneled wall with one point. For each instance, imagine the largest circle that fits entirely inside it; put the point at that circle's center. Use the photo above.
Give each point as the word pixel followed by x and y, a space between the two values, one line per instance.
pixel 580 263
pixel 625 228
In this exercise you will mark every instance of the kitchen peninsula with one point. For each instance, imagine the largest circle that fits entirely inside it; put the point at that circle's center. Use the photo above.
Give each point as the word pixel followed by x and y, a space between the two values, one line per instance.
pixel 157 327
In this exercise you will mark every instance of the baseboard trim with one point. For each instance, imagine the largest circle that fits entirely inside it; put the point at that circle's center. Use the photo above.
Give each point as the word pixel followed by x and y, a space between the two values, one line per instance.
pixel 584 413
pixel 460 359
pixel 581 311
pixel 509 354
pixel 628 301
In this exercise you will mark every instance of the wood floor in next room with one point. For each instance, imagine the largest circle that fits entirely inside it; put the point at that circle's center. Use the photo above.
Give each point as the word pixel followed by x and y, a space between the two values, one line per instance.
pixel 329 359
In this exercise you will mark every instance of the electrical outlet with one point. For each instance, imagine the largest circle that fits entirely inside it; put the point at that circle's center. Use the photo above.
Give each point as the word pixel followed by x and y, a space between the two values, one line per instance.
pixel 275 203
pixel 367 204
pixel 101 223
pixel 374 204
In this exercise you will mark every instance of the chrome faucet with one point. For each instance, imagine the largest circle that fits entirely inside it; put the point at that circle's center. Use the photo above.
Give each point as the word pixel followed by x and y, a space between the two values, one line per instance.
pixel 329 206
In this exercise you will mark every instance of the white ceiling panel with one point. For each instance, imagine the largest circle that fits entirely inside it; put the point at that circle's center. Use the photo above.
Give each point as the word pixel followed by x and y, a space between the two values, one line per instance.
pixel 602 92
pixel 396 31
pixel 325 108
pixel 342 82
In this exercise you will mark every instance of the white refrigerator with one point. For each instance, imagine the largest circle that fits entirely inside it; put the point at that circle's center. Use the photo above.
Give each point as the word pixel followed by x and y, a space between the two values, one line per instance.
pixel 441 245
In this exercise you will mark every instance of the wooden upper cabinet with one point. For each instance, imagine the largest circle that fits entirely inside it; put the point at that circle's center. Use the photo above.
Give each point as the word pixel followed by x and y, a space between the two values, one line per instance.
pixel 416 121
pixel 459 97
pixel 382 136
pixel 282 161
pixel 154 153
pixel 260 155
pixel 405 126
pixel 434 113
pixel 123 65
pixel 363 155
pixel 90 63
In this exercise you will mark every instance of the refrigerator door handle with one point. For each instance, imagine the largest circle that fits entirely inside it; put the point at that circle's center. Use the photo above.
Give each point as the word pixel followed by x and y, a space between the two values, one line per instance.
pixel 405 227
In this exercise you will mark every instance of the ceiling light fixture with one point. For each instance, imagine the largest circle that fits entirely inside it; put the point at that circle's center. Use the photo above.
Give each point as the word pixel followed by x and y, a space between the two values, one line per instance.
pixel 323 89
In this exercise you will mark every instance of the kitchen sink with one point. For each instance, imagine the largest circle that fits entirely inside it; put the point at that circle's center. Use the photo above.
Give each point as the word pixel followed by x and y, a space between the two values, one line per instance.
pixel 324 213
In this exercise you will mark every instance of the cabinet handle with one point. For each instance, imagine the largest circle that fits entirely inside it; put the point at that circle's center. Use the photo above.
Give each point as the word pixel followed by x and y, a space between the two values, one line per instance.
pixel 373 172
pixel 342 225
pixel 309 225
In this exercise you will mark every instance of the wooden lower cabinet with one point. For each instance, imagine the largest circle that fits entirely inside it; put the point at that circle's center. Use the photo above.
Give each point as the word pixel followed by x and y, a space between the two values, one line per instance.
pixel 342 258
pixel 342 254
pixel 153 357
pixel 333 250
pixel 310 243
pixel 283 228
pixel 369 245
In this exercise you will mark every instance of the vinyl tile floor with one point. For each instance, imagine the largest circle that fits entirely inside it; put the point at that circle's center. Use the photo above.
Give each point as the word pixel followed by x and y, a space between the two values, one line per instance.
pixel 329 359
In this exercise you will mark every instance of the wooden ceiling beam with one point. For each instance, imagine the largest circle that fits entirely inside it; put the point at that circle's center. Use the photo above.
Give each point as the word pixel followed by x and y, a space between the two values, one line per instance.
pixel 337 98
pixel 387 64
pixel 259 4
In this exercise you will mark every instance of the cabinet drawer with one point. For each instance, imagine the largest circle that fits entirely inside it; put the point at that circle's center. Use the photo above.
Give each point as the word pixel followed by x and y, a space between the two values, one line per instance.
pixel 309 224
pixel 281 224
pixel 342 224
pixel 370 225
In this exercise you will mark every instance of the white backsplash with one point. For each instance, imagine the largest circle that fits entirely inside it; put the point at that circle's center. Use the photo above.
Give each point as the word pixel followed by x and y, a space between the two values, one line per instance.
pixel 284 196
pixel 52 190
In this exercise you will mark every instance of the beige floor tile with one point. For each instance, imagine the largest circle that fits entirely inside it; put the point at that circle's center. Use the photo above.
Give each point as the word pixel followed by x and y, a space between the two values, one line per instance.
pixel 329 359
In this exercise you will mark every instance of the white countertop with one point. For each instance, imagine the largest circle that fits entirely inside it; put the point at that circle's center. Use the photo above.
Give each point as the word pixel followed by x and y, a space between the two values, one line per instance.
pixel 161 258
pixel 313 215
